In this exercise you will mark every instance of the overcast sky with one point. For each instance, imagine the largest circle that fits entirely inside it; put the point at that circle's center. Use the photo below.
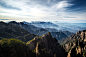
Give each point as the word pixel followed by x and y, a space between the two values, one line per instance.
pixel 43 10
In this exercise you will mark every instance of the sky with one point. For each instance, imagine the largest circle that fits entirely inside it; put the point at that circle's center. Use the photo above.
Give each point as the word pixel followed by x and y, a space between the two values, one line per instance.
pixel 73 11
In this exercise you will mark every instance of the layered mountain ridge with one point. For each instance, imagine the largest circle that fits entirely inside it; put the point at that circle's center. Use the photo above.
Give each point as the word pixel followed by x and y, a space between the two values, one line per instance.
pixel 72 27
pixel 39 46
pixel 40 31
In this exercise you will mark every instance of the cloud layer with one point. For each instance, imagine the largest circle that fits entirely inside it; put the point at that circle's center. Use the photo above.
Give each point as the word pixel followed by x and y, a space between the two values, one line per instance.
pixel 40 10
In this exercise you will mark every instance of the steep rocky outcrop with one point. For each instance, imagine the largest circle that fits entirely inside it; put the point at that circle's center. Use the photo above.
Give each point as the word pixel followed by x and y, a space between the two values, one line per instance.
pixel 76 45
pixel 46 44
pixel 70 38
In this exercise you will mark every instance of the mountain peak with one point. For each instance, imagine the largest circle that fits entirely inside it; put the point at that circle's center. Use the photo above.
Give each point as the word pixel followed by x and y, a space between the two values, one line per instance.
pixel 13 22
pixel 47 36
pixel 49 33
pixel 48 44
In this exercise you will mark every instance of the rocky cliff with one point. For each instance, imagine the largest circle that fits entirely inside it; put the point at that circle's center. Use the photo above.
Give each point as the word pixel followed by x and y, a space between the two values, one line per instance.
pixel 48 45
pixel 76 45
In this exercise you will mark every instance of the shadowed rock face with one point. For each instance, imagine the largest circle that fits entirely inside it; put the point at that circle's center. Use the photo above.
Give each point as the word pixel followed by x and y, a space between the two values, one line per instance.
pixel 48 44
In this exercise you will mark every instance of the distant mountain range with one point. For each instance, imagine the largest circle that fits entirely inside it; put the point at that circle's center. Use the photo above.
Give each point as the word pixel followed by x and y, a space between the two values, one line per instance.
pixel 30 27
pixel 42 24
pixel 40 31
pixel 72 27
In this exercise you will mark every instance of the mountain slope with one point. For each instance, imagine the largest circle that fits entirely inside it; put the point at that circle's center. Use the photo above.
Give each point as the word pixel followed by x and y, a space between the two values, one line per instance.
pixel 13 31
pixel 10 29
pixel 41 31
pixel 52 30
pixel 22 25
pixel 34 27
pixel 58 35
pixel 67 33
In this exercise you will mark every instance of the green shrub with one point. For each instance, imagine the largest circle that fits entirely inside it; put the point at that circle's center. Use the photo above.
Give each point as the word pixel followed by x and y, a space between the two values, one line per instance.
pixel 30 41
pixel 12 48
pixel 85 53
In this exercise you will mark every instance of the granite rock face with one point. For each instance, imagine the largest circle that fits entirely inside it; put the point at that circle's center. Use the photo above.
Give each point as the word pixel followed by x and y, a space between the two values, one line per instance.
pixel 48 44
pixel 76 45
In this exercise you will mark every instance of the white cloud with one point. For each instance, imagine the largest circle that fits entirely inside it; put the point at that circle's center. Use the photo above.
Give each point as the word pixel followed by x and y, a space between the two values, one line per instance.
pixel 63 4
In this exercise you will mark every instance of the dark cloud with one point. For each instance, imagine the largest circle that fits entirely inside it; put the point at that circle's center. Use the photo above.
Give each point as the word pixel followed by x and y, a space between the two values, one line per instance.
pixel 8 6
pixel 79 5
pixel 69 17
pixel 4 19
pixel 46 3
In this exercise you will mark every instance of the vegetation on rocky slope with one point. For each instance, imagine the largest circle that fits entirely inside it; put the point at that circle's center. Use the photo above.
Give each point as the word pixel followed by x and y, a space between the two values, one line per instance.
pixel 44 46
pixel 12 48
